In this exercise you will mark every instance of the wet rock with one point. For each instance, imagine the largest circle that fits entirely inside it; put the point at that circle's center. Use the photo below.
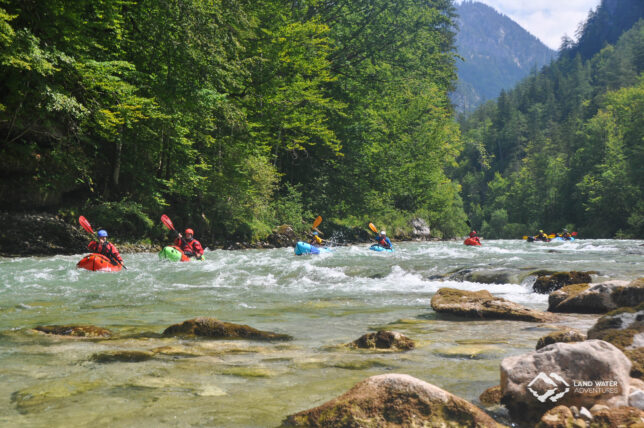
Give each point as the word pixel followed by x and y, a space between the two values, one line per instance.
pixel 562 336
pixel 384 340
pixel 483 276
pixel 535 382
pixel 122 356
pixel 548 283
pixel 597 298
pixel 622 417
pixel 482 305
pixel 88 331
pixel 393 400
pixel 624 328
pixel 491 396
pixel 420 229
pixel 557 417
pixel 282 236
pixel 215 329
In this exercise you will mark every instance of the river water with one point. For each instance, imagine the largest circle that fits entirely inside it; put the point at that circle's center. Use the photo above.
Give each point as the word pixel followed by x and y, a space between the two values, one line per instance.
pixel 322 301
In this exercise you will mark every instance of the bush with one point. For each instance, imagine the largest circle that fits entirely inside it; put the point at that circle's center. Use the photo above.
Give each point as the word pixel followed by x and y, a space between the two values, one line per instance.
pixel 124 220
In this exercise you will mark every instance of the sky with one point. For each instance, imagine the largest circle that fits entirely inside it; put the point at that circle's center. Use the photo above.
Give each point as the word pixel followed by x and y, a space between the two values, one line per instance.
pixel 549 20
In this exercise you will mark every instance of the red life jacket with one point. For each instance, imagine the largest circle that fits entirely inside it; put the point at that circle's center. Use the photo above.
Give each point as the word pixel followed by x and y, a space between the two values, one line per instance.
pixel 107 249
pixel 190 248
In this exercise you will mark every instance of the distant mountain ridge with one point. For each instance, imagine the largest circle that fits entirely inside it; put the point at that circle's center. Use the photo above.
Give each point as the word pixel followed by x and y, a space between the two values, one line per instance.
pixel 497 54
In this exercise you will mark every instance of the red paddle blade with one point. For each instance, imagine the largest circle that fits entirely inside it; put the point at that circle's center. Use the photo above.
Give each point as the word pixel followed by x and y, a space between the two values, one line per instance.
pixel 85 224
pixel 574 234
pixel 167 222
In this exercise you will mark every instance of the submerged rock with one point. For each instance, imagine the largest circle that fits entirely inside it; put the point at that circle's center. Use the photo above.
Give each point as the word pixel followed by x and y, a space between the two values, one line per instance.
pixel 548 283
pixel 566 335
pixel 393 400
pixel 624 328
pixel 597 298
pixel 88 331
pixel 215 329
pixel 384 340
pixel 535 382
pixel 482 305
pixel 122 356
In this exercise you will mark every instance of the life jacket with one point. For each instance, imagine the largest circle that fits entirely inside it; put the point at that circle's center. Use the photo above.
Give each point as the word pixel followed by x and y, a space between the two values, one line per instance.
pixel 542 237
pixel 190 248
pixel 382 241
pixel 108 250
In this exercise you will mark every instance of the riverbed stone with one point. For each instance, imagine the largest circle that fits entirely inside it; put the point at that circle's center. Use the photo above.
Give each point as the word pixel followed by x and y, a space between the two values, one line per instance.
pixel 393 400
pixel 624 328
pixel 546 284
pixel 596 298
pixel 565 335
pixel 535 382
pixel 483 305
pixel 87 331
pixel 621 417
pixel 557 417
pixel 491 396
pixel 420 229
pixel 215 329
pixel 384 340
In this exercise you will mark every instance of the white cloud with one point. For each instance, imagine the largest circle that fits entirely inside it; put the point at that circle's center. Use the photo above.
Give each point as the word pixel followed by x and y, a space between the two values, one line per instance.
pixel 549 20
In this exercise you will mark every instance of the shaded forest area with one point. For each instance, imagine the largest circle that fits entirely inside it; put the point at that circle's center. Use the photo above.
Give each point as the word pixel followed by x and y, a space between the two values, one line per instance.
pixel 231 116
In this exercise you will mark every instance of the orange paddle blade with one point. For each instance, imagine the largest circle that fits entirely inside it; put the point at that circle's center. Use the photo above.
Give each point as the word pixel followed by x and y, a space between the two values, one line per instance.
pixel 85 225
pixel 372 227
pixel 167 222
pixel 317 222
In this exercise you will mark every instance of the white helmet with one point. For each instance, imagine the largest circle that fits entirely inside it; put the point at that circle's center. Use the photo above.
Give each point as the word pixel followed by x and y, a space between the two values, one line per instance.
pixel 382 232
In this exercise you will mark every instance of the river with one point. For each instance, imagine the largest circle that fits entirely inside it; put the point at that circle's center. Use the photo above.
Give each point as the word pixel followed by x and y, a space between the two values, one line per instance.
pixel 322 301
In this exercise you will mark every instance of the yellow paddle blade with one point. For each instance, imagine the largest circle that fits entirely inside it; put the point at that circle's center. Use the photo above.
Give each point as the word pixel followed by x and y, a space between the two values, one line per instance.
pixel 525 237
pixel 317 222
pixel 372 227
pixel 551 236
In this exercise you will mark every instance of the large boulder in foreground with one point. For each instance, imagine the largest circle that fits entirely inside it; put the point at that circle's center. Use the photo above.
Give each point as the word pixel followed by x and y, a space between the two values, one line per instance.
pixel 535 382
pixel 384 340
pixel 482 305
pixel 546 284
pixel 566 335
pixel 215 329
pixel 393 400
pixel 596 298
pixel 597 417
pixel 624 328
pixel 87 331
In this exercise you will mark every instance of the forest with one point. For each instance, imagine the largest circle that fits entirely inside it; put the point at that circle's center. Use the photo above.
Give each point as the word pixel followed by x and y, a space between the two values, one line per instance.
pixel 564 149
pixel 233 116
pixel 237 116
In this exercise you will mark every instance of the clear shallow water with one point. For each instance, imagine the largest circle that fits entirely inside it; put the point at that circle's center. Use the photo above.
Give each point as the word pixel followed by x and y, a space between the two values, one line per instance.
pixel 322 301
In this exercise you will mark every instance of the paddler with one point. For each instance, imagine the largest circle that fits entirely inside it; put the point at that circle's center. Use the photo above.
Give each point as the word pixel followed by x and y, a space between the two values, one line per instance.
pixel 566 235
pixel 105 248
pixel 189 245
pixel 316 241
pixel 474 237
pixel 542 236
pixel 382 239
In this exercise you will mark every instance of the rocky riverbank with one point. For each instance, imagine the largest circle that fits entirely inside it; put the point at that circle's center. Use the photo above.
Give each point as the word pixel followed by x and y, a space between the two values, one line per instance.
pixel 44 234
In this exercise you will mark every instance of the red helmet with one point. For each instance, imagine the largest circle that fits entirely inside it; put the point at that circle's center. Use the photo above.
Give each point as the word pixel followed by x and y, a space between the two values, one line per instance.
pixel 472 233
pixel 189 231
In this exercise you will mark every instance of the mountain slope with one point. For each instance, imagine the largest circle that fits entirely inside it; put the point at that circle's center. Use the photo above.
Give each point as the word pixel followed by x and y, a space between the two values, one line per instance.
pixel 497 54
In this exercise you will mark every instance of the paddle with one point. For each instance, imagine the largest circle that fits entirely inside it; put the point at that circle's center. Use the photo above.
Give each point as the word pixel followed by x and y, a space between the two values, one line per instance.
pixel 88 228
pixel 317 222
pixel 373 228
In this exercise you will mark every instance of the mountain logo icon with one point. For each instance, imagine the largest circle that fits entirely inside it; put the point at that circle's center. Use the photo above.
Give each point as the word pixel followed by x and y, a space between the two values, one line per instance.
pixel 546 387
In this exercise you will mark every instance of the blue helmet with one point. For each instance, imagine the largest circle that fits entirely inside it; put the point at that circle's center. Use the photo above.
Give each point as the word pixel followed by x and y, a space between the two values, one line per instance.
pixel 315 233
pixel 102 233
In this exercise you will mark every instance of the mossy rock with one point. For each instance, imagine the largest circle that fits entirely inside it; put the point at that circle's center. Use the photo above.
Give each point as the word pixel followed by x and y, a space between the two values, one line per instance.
pixel 558 417
pixel 122 356
pixel 491 396
pixel 546 284
pixel 483 305
pixel 384 340
pixel 557 297
pixel 562 336
pixel 393 400
pixel 627 417
pixel 87 331
pixel 215 329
